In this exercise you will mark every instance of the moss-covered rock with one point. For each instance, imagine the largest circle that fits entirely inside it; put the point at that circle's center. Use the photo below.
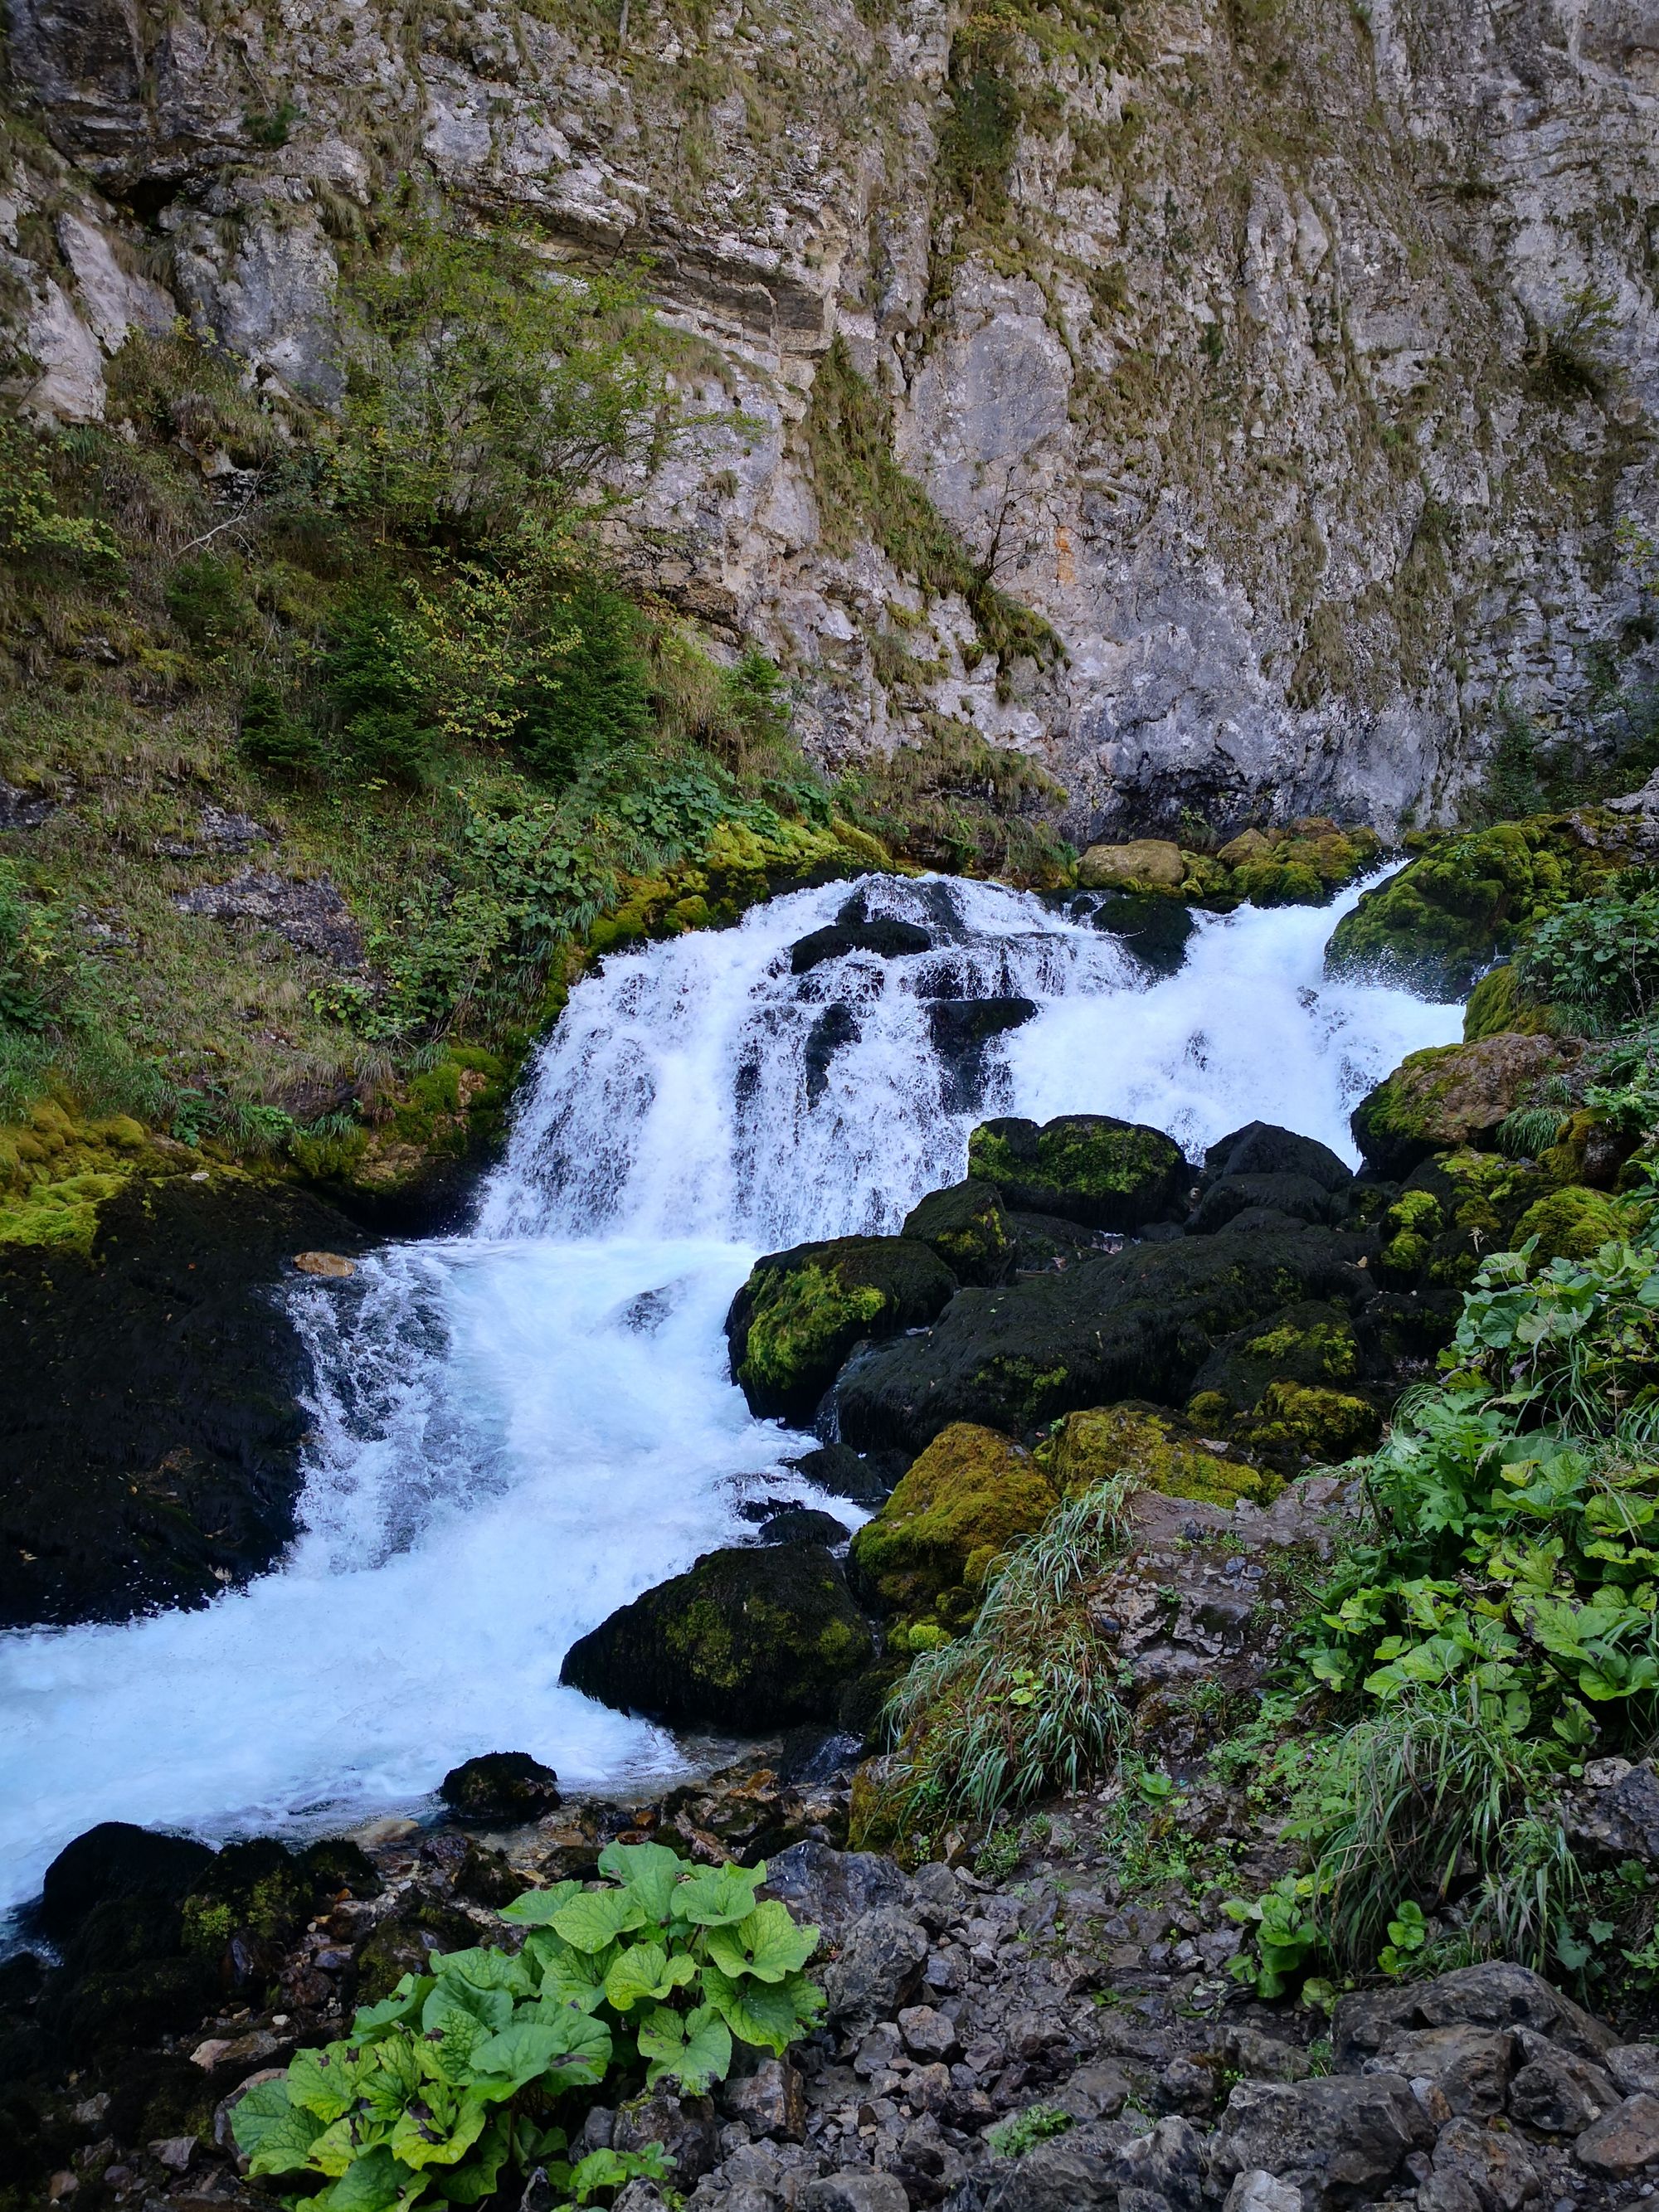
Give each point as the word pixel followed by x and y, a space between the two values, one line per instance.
pixel 1104 1442
pixel 1303 865
pixel 59 1168
pixel 967 1226
pixel 1138 1324
pixel 1089 1168
pixel 1297 1422
pixel 746 1638
pixel 1145 864
pixel 1312 1342
pixel 1443 919
pixel 1153 927
pixel 794 1323
pixel 1497 1003
pixel 1574 1222
pixel 968 1496
pixel 1453 1209
pixel 501 1785
pixel 1448 1096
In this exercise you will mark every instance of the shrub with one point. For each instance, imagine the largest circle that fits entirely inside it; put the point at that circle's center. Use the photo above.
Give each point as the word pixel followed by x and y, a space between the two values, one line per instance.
pixel 377 672
pixel 274 739
pixel 32 526
pixel 459 2078
pixel 593 700
pixel 206 599
pixel 1599 958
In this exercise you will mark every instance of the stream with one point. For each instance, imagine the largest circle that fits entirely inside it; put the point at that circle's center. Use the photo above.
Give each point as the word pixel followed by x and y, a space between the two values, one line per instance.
pixel 514 1431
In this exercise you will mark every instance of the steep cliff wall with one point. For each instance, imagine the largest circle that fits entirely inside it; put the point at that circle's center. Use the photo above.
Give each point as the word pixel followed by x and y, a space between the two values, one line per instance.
pixel 1296 359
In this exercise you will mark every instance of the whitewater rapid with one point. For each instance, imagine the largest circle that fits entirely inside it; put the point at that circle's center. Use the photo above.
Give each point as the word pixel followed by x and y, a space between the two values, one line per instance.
pixel 514 1432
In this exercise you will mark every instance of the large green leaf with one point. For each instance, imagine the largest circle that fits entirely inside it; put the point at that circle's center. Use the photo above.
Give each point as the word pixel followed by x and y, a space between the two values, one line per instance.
pixel 646 1971
pixel 719 1897
pixel 537 1907
pixel 373 2022
pixel 767 1944
pixel 597 1916
pixel 456 2018
pixel 439 2129
pixel 502 2064
pixel 272 2131
pixel 324 2081
pixel 487 1969
pixel 473 2180
pixel 693 2051
pixel 568 1977
pixel 377 2182
pixel 650 1871
pixel 769 2014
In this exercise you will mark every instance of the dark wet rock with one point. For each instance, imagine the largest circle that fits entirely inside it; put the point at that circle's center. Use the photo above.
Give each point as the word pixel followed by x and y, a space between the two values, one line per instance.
pixel 1298 1197
pixel 501 1785
pixel 150 1454
pixel 969 1228
pixel 1262 1148
pixel 467 1869
pixel 795 1320
pixel 1044 1243
pixel 1088 1168
pixel 1157 929
pixel 747 1638
pixel 18 810
pixel 1616 1812
pixel 685 2126
pixel 835 1027
pixel 960 1030
pixel 113 1861
pixel 879 1970
pixel 803 1524
pixel 311 915
pixel 1137 1323
pixel 404 1944
pixel 841 1472
pixel 886 938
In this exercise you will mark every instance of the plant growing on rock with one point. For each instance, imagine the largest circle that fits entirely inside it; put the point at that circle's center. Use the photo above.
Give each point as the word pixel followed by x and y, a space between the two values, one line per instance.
pixel 456 2078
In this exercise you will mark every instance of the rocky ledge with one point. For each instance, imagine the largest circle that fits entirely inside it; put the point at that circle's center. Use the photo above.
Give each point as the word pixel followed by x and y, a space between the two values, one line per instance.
pixel 1053 2041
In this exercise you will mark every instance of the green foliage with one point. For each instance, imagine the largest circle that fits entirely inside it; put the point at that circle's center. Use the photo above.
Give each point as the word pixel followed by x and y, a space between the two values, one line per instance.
pixel 1020 2131
pixel 1407 1934
pixel 274 739
pixel 457 2079
pixel 377 674
pixel 1571 363
pixel 977 146
pixel 25 953
pixel 1027 1703
pixel 1598 959
pixel 594 699
pixel 487 391
pixel 33 527
pixel 206 599
pixel 1284 1930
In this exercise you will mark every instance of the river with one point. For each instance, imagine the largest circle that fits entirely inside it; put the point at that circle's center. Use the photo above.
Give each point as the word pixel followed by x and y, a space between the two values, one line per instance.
pixel 516 1430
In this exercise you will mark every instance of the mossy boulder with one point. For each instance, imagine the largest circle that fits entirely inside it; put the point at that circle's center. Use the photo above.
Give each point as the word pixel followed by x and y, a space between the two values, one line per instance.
pixel 971 1494
pixel 1448 1096
pixel 1573 1223
pixel 58 1168
pixel 1442 921
pixel 1452 1209
pixel 501 1785
pixel 748 1638
pixel 1314 1342
pixel 1296 1423
pixel 1145 864
pixel 967 1226
pixel 1088 1168
pixel 1303 865
pixel 1153 927
pixel 1153 1452
pixel 1138 1324
pixel 792 1324
pixel 1498 1002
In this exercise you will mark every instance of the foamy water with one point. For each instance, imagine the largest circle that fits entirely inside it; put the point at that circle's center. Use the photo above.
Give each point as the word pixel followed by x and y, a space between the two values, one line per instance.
pixel 515 1432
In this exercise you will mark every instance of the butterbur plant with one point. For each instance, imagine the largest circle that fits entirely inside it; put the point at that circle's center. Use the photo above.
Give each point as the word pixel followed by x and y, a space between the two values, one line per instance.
pixel 453 2084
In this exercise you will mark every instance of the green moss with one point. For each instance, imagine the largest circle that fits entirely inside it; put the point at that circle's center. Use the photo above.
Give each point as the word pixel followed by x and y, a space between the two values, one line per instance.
pixel 957 1510
pixel 799 1319
pixel 1444 918
pixel 1303 866
pixel 802 1311
pixel 59 1169
pixel 1497 1003
pixel 1312 1423
pixel 1573 1223
pixel 1083 1167
pixel 967 1226
pixel 1094 1447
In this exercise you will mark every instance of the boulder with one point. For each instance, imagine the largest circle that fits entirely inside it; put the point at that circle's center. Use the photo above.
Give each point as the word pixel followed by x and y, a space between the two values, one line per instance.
pixel 1493 2166
pixel 1557 2093
pixel 1634 2069
pixel 831 1889
pixel 858 2189
pixel 1452 1210
pixel 747 1638
pixel 1437 924
pixel 501 1785
pixel 1296 1197
pixel 1573 1223
pixel 967 1226
pixel 1341 2139
pixel 1447 1095
pixel 802 1524
pixel 842 1473
pixel 1106 1441
pixel 970 1494
pixel 1156 928
pixel 886 938
pixel 770 2100
pixel 685 2126
pixel 1145 864
pixel 878 1971
pixel 1497 1995
pixel 960 1027
pixel 1470 2066
pixel 1137 1323
pixel 835 1027
pixel 1089 1168
pixel 1262 1148
pixel 113 1861
pixel 1303 865
pixel 794 1323
pixel 1076 2171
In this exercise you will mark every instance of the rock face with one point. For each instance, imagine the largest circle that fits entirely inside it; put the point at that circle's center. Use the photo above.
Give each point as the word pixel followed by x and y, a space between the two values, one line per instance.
pixel 1398 325
pixel 750 1639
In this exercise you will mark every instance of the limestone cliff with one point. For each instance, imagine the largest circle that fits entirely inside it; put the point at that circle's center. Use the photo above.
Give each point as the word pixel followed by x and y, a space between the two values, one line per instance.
pixel 1296 359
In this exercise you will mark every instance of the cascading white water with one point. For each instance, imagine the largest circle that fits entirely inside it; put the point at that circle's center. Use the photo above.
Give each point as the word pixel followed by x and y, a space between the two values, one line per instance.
pixel 516 1431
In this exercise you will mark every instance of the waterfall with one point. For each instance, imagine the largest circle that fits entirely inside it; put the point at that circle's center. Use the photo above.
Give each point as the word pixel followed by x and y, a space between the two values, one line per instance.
pixel 515 1430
